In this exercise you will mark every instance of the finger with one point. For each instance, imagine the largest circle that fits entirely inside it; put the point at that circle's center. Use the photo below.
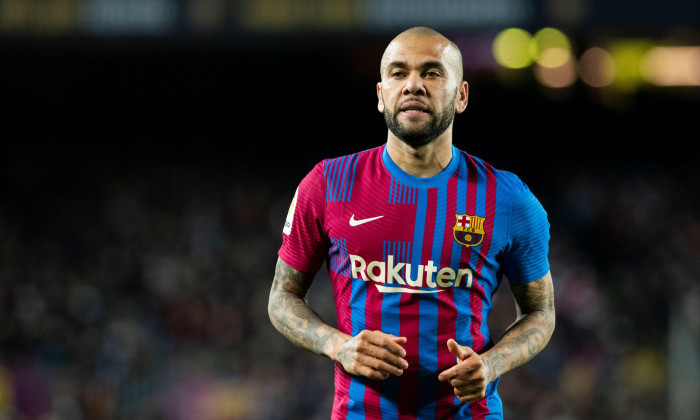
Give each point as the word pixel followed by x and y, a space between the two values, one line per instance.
pixel 466 381
pixel 399 340
pixel 381 353
pixel 466 369
pixel 380 365
pixel 448 374
pixel 461 352
pixel 371 373
pixel 389 342
pixel 470 396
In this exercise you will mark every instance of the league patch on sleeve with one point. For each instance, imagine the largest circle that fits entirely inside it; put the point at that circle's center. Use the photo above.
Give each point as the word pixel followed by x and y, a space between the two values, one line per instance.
pixel 290 214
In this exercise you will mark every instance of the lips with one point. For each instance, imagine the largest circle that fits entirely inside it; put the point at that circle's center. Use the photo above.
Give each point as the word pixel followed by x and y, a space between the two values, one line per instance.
pixel 413 106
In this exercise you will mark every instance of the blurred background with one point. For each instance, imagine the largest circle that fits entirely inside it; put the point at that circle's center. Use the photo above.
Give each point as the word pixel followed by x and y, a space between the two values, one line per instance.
pixel 151 148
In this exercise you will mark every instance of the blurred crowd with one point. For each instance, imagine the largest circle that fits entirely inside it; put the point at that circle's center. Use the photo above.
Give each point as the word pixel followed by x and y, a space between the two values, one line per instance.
pixel 143 295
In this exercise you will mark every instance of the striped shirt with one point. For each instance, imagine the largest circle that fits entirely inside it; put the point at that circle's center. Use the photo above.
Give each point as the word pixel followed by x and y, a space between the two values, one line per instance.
pixel 419 258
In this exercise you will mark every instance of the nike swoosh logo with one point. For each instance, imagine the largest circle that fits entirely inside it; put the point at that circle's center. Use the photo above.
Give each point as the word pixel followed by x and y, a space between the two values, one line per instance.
pixel 354 222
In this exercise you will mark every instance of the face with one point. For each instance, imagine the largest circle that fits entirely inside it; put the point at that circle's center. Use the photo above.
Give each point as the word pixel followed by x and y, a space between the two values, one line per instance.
pixel 421 89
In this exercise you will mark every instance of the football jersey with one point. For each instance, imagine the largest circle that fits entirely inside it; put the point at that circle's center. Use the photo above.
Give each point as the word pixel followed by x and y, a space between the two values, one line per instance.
pixel 419 258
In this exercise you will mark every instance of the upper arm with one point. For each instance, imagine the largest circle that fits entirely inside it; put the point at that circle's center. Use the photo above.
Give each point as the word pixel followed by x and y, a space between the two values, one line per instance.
pixel 534 296
pixel 304 238
pixel 525 256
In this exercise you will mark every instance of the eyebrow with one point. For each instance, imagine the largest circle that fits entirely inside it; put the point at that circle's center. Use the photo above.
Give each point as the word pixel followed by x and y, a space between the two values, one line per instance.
pixel 424 65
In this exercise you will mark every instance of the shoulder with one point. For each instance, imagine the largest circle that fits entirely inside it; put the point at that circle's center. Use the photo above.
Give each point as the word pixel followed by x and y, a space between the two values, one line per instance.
pixel 341 162
pixel 333 176
pixel 506 180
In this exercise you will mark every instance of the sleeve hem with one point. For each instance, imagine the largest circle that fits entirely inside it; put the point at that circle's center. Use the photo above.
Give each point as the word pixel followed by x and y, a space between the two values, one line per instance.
pixel 529 279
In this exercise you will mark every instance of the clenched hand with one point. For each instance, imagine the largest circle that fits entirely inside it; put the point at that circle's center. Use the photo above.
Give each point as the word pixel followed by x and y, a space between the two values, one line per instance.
pixel 373 354
pixel 469 376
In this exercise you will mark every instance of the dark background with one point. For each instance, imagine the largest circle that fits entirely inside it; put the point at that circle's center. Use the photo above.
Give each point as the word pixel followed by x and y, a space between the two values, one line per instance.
pixel 145 180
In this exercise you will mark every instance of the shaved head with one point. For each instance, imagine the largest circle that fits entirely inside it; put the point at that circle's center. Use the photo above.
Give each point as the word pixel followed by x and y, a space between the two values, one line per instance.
pixel 451 52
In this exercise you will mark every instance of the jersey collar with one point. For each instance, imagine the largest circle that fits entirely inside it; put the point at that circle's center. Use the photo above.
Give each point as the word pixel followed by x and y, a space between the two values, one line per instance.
pixel 414 181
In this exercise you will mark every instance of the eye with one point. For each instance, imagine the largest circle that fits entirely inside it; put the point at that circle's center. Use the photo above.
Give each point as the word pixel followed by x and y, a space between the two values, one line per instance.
pixel 397 74
pixel 432 74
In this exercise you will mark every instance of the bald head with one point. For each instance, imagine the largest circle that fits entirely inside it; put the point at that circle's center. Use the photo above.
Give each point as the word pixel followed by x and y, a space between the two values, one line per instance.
pixel 450 51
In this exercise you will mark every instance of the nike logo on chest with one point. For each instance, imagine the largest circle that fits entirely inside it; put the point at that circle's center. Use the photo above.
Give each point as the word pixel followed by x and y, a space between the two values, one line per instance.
pixel 357 222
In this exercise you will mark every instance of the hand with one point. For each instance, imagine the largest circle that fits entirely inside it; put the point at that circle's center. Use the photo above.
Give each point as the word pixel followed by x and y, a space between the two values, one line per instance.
pixel 373 354
pixel 469 376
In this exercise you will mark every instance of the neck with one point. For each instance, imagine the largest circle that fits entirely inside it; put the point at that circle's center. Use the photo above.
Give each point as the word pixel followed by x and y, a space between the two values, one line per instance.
pixel 423 162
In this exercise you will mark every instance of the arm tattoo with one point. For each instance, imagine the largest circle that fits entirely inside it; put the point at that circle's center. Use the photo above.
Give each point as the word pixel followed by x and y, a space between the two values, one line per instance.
pixel 292 316
pixel 532 329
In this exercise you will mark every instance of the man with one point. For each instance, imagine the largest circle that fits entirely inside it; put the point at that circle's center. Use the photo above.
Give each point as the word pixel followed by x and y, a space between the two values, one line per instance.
pixel 416 235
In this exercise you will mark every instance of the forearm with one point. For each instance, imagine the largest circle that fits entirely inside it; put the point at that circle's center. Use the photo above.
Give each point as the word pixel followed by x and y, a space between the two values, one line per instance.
pixel 531 331
pixel 301 325
pixel 292 316
pixel 521 342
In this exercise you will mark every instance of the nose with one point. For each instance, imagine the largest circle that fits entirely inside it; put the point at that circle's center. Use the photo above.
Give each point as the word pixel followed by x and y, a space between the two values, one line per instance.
pixel 414 84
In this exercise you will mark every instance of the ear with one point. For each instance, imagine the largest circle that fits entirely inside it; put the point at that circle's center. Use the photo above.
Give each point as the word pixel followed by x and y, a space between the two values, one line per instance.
pixel 380 103
pixel 462 97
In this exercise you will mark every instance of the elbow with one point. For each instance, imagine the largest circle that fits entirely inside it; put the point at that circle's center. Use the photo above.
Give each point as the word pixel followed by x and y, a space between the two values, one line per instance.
pixel 550 322
pixel 272 306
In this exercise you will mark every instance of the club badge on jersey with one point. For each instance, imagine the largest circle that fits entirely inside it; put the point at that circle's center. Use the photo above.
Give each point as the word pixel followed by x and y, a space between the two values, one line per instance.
pixel 468 230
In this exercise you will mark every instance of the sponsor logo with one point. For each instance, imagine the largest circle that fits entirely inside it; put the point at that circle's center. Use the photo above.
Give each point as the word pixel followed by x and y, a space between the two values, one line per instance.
pixel 354 222
pixel 468 230
pixel 290 215
pixel 391 277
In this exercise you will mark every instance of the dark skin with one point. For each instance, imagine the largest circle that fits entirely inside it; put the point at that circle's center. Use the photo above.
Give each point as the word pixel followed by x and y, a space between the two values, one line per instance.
pixel 377 355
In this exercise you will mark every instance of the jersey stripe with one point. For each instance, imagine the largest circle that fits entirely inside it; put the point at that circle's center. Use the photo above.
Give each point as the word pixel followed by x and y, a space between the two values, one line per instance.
pixel 400 193
pixel 466 187
pixel 446 308
pixel 428 315
pixel 340 177
pixel 410 308
pixel 391 325
pixel 356 393
pixel 487 199
pixel 373 322
pixel 330 178
pixel 354 160
pixel 339 172
pixel 339 260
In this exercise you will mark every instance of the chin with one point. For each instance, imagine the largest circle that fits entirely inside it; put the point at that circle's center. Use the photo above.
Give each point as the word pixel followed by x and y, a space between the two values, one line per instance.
pixel 416 141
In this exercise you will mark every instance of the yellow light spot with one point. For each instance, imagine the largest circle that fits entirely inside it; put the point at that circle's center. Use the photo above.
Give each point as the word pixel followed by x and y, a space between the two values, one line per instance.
pixel 511 48
pixel 550 47
pixel 627 56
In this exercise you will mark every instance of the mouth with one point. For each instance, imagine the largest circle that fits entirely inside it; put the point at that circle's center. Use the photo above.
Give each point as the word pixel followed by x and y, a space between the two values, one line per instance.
pixel 413 108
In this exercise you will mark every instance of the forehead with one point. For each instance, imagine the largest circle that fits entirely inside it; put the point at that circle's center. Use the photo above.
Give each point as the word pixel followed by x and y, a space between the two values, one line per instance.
pixel 415 50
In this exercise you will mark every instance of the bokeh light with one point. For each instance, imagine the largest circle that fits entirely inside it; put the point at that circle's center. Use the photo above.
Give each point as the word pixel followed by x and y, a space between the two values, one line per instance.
pixel 596 67
pixel 672 66
pixel 557 77
pixel 511 48
pixel 550 47
pixel 627 57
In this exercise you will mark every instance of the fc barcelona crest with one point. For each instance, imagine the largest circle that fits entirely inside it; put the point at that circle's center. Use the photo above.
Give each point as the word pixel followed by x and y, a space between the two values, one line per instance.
pixel 468 230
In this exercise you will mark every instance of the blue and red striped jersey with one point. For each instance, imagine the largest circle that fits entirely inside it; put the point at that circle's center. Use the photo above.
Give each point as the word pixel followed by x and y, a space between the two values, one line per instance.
pixel 419 258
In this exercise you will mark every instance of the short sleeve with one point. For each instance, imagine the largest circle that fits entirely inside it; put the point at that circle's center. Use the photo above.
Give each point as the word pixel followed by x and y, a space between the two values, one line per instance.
pixel 526 256
pixel 304 243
